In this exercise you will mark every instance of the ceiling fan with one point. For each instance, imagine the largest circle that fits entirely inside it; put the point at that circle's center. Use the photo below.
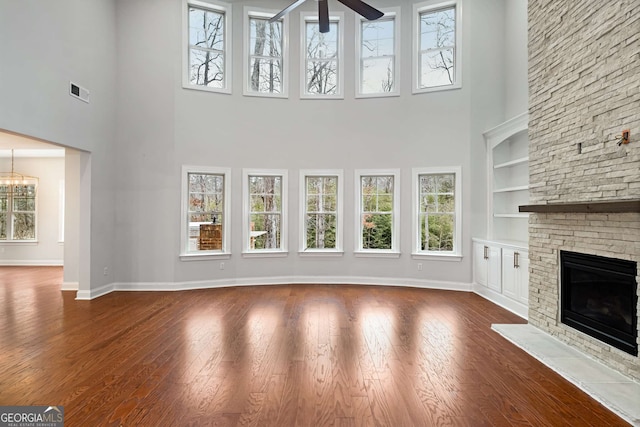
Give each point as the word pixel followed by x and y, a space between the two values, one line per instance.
pixel 358 6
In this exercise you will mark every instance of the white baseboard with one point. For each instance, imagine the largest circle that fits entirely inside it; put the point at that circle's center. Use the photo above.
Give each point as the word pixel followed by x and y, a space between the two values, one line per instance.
pixel 279 280
pixel 69 286
pixel 32 262
pixel 504 302
pixel 95 293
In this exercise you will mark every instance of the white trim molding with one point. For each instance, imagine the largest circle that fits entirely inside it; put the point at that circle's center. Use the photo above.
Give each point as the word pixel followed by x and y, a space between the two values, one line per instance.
pixel 276 280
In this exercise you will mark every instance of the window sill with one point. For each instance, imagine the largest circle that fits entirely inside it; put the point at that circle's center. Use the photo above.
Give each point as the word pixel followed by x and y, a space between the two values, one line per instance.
pixel 377 95
pixel 315 252
pixel 224 91
pixel 205 256
pixel 265 254
pixel 19 242
pixel 312 96
pixel 417 91
pixel 375 254
pixel 265 95
pixel 437 257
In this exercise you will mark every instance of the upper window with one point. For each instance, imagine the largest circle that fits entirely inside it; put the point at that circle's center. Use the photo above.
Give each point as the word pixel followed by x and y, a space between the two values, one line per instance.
pixel 321 210
pixel 265 61
pixel 379 212
pixel 17 211
pixel 205 211
pixel 265 201
pixel 438 53
pixel 207 59
pixel 377 50
pixel 437 208
pixel 322 57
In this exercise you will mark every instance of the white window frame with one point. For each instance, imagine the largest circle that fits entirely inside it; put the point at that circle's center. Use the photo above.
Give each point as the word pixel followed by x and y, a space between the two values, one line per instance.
pixel 394 252
pixel 430 6
pixel 10 216
pixel 256 12
pixel 313 17
pixel 246 214
pixel 216 6
pixel 225 252
pixel 339 174
pixel 393 13
pixel 418 252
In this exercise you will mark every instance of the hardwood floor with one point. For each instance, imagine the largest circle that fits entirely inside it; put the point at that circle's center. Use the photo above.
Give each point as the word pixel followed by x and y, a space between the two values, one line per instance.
pixel 299 355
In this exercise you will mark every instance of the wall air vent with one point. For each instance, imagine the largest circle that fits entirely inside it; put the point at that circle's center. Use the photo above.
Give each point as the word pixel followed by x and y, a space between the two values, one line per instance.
pixel 78 92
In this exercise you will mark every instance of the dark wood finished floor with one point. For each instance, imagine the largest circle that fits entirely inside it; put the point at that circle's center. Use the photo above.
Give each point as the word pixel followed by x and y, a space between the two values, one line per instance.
pixel 300 355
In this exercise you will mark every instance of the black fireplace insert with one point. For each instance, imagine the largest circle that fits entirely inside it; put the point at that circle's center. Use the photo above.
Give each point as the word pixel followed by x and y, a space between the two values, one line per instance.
pixel 599 297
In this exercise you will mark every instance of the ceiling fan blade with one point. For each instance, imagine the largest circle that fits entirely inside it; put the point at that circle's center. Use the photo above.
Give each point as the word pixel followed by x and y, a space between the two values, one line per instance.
pixel 286 10
pixel 363 9
pixel 323 16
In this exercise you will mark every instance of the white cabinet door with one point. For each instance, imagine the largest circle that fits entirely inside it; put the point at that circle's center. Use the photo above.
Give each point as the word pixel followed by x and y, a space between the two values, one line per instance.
pixel 515 275
pixel 479 264
pixel 523 277
pixel 509 272
pixel 486 266
pixel 493 274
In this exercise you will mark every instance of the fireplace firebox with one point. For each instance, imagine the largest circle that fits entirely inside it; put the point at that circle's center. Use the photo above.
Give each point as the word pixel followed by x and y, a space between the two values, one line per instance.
pixel 599 297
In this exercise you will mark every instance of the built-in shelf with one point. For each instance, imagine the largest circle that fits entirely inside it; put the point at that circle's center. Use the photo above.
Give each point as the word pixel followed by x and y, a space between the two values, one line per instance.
pixel 511 215
pixel 514 162
pixel 507 168
pixel 608 206
pixel 510 189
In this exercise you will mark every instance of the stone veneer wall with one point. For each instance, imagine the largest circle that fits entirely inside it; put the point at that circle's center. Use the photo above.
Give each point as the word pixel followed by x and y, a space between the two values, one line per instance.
pixel 584 87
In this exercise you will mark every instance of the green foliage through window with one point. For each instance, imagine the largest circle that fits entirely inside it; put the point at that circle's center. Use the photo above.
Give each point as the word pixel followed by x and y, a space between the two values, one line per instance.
pixel 18 212
pixel 321 211
pixel 437 212
pixel 265 198
pixel 377 212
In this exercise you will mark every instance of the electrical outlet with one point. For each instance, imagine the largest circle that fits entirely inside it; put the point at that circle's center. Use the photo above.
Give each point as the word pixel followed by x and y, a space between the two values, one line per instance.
pixel 625 136
pixel 419 266
pixel 222 266
pixel 106 271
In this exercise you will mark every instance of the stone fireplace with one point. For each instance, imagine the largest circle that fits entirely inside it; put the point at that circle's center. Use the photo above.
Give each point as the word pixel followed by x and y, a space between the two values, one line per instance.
pixel 584 74
pixel 598 297
pixel 613 235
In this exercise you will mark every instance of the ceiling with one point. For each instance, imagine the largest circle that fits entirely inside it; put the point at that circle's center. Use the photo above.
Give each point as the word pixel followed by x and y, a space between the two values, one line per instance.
pixel 27 147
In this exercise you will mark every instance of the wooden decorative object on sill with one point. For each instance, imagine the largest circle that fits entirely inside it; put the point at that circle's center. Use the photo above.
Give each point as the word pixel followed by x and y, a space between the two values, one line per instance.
pixel 210 237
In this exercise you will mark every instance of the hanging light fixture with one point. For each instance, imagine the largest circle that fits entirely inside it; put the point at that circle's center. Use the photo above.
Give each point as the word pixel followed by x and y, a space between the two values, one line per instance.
pixel 17 183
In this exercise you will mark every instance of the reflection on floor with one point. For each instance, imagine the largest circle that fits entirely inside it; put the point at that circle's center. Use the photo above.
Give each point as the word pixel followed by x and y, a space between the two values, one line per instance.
pixel 615 391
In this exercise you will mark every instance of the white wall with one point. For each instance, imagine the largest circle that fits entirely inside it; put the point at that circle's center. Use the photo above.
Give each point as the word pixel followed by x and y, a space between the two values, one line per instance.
pixel 43 46
pixel 162 126
pixel 48 250
pixel 142 126
pixel 516 58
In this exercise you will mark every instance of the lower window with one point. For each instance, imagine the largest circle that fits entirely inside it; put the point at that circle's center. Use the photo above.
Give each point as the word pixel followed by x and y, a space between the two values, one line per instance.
pixel 437 208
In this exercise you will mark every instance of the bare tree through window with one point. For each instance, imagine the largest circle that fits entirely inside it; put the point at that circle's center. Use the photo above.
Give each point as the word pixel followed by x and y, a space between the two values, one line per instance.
pixel 377 50
pixel 17 212
pixel 437 47
pixel 321 211
pixel 322 66
pixel 266 63
pixel 206 47
pixel 265 201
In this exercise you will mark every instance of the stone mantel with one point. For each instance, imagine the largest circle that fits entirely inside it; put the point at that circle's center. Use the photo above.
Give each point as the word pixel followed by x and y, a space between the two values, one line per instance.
pixel 607 206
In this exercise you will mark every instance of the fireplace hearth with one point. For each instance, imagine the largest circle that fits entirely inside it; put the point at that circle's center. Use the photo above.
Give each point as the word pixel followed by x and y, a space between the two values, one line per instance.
pixel 598 297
